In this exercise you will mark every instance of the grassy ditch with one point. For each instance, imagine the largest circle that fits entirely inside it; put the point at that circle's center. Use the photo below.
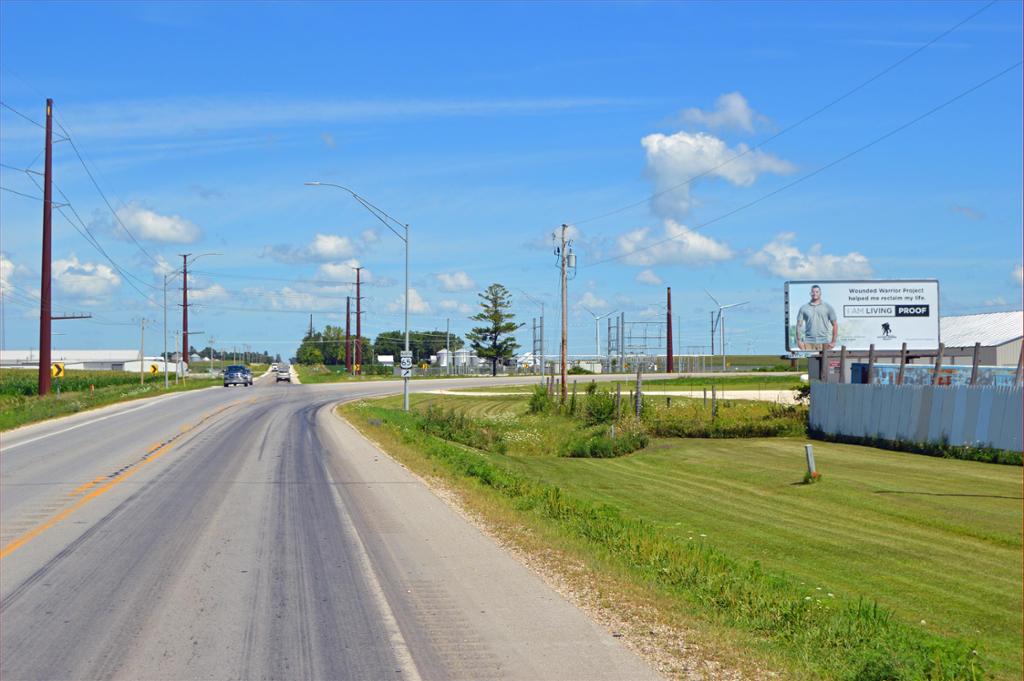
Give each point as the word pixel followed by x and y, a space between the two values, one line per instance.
pixel 894 567
pixel 79 391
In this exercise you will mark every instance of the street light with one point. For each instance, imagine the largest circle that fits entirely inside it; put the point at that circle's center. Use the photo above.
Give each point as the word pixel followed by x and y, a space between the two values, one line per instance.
pixel 387 221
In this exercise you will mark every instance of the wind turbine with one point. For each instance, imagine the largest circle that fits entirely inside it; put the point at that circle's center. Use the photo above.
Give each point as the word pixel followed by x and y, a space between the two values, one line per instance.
pixel 597 330
pixel 720 321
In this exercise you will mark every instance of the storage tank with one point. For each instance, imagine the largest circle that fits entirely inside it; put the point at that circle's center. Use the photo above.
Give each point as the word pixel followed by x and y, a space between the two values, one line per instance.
pixel 442 357
pixel 462 357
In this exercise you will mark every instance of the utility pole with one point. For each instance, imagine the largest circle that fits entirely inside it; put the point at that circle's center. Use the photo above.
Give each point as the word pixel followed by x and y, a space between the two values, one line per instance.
pixel 359 321
pixel 563 258
pixel 670 359
pixel 142 350
pixel 348 336
pixel 45 303
pixel 184 311
pixel 447 344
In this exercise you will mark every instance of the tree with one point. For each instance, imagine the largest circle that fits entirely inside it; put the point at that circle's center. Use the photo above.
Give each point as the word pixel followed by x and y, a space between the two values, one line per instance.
pixel 494 341
pixel 423 344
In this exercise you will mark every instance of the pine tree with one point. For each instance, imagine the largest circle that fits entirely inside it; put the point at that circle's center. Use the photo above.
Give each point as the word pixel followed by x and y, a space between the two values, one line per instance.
pixel 494 340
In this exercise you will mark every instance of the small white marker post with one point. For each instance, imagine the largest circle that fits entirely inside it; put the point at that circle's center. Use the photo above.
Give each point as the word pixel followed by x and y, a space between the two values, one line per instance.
pixel 809 450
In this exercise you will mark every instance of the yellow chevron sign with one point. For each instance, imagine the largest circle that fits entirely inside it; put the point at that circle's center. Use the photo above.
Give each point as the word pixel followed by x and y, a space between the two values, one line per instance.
pixel 57 370
pixel 153 369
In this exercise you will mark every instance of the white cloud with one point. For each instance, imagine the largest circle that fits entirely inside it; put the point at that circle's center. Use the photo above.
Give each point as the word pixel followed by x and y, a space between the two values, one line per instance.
pixel 593 302
pixel 1018 274
pixel 678 245
pixel 212 292
pixel 6 270
pixel 288 298
pixel 731 111
pixel 672 160
pixel 343 271
pixel 162 266
pixel 649 277
pixel 416 303
pixel 330 246
pixel 369 236
pixel 152 226
pixel 998 301
pixel 781 258
pixel 456 281
pixel 84 279
pixel 455 306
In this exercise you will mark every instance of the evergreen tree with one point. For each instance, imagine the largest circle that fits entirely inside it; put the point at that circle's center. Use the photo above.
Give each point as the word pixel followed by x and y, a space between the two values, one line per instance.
pixel 494 340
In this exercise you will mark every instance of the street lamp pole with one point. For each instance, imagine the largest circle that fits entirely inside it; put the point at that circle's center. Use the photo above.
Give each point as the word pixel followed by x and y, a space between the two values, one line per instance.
pixel 388 222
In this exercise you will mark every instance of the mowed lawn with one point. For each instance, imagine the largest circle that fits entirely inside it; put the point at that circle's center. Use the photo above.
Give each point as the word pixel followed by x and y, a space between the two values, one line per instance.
pixel 936 540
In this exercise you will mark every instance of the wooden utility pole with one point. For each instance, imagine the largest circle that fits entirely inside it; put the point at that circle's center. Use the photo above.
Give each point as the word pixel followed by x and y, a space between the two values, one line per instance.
pixel 359 322
pixel 142 350
pixel 565 315
pixel 669 359
pixel 45 301
pixel 348 336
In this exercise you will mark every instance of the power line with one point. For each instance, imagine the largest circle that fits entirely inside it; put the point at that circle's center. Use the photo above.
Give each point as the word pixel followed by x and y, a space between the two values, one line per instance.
pixel 104 196
pixel 795 125
pixel 26 117
pixel 822 169
pixel 27 196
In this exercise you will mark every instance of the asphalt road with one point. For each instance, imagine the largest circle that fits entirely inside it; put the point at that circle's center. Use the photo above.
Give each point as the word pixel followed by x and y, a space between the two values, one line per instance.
pixel 247 533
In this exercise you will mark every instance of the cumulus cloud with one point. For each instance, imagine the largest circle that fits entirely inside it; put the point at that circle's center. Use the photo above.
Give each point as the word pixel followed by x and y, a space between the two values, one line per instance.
pixel 1018 274
pixel 343 271
pixel 455 306
pixel 416 303
pixel 781 258
pixel 6 270
pixel 456 281
pixel 152 226
pixel 369 236
pixel 84 279
pixel 673 159
pixel 678 245
pixel 162 266
pixel 648 277
pixel 592 301
pixel 209 293
pixel 731 111
pixel 323 248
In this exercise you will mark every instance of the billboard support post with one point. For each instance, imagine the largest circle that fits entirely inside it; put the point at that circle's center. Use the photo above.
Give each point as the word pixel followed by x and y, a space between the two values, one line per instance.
pixel 974 362
pixel 938 365
pixel 871 364
pixel 842 364
pixel 823 366
pixel 903 364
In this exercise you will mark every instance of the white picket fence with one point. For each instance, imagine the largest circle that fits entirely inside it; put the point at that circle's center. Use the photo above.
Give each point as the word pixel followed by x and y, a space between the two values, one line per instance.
pixel 958 415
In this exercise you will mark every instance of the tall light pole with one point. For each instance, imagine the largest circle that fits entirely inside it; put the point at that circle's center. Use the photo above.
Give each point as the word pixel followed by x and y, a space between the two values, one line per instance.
pixel 388 222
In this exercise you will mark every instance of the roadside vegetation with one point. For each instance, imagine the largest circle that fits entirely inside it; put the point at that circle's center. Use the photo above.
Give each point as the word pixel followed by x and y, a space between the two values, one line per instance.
pixel 893 567
pixel 77 391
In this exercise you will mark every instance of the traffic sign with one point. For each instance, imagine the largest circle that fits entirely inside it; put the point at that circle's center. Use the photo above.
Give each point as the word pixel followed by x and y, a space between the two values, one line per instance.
pixel 406 362
pixel 406 373
pixel 357 367
pixel 405 353
pixel 153 369
pixel 57 370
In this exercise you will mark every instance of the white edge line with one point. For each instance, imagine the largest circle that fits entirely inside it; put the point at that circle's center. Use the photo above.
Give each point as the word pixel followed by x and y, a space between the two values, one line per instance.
pixel 401 649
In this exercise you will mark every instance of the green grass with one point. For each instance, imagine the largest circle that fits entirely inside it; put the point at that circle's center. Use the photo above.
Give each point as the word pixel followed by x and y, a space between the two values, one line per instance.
pixel 928 539
pixel 19 404
pixel 725 382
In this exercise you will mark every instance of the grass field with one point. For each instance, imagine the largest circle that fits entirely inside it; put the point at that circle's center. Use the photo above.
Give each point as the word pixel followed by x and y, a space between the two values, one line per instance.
pixel 765 382
pixel 20 405
pixel 936 542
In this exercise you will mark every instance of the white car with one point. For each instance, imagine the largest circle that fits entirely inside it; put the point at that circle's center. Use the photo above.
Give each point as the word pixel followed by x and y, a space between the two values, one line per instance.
pixel 284 374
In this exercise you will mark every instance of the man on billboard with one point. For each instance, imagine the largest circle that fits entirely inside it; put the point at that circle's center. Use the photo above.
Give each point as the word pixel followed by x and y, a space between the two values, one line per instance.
pixel 816 325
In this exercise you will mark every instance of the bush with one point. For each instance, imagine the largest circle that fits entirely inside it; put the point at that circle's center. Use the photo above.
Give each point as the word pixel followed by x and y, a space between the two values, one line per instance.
pixel 942 450
pixel 629 437
pixel 599 406
pixel 540 401
pixel 738 418
pixel 579 371
pixel 460 428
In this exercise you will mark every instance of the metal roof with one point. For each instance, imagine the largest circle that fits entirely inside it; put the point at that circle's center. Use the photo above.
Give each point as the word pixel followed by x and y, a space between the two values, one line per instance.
pixel 114 356
pixel 989 329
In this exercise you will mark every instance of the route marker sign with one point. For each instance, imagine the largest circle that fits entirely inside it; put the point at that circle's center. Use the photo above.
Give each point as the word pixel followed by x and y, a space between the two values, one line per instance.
pixel 406 362
pixel 57 370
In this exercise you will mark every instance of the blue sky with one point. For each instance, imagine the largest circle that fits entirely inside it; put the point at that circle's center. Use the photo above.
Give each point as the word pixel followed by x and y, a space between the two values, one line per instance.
pixel 485 126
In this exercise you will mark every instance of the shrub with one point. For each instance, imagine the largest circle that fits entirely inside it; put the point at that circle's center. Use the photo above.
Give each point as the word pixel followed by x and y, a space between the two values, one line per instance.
pixel 540 401
pixel 628 437
pixel 457 427
pixel 579 371
pixel 598 407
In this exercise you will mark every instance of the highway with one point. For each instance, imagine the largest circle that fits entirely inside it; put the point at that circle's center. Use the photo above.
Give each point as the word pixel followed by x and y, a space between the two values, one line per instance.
pixel 248 533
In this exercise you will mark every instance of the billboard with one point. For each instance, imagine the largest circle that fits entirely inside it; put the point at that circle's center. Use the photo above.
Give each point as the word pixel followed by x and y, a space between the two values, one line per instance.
pixel 823 314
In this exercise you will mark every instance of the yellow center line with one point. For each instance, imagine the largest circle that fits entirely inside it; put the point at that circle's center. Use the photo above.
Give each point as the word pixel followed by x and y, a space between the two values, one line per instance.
pixel 82 488
pixel 152 455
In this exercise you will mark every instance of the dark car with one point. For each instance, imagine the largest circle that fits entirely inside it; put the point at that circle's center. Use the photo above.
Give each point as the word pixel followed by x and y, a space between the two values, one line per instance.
pixel 236 374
